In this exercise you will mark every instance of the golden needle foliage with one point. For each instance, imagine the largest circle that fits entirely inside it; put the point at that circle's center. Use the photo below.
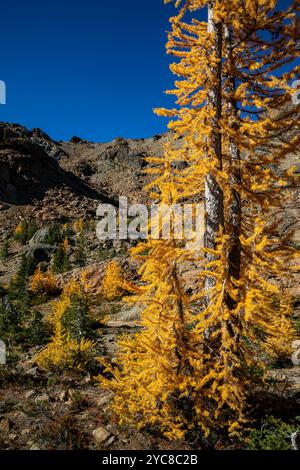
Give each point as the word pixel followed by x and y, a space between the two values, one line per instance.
pixel 43 283
pixel 65 245
pixel 19 229
pixel 113 281
pixel 69 347
pixel 78 226
pixel 188 368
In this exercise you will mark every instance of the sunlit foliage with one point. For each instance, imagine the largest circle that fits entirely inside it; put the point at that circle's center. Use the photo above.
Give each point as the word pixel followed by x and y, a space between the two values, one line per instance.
pixel 187 368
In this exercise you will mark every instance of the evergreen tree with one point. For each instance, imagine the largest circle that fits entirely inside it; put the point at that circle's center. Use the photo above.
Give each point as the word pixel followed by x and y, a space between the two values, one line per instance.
pixel 55 235
pixel 80 251
pixel 186 369
pixel 31 229
pixel 11 319
pixel 14 309
pixel 4 250
pixel 37 332
pixel 77 319
pixel 61 259
pixel 18 286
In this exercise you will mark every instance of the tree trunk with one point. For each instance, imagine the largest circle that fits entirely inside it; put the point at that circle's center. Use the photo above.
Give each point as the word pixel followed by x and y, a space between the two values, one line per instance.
pixel 234 209
pixel 214 206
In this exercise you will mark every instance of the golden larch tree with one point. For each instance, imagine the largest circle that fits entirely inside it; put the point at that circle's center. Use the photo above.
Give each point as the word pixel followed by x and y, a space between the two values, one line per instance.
pixel 188 368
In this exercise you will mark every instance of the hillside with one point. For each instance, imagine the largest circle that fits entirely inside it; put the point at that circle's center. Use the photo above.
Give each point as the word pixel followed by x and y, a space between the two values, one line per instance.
pixel 47 183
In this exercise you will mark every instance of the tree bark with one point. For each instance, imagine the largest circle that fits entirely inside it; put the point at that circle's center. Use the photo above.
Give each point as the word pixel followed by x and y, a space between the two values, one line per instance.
pixel 214 204
pixel 234 209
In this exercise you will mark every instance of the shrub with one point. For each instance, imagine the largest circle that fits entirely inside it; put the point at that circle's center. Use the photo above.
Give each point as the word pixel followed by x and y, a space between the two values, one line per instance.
pixel 106 253
pixel 43 283
pixel 78 226
pixel 274 434
pixel 62 433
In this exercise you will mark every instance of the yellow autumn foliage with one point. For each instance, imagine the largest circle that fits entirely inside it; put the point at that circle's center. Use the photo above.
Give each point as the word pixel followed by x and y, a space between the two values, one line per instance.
pixel 65 245
pixel 43 283
pixel 64 350
pixel 19 228
pixel 113 281
pixel 188 368
pixel 78 225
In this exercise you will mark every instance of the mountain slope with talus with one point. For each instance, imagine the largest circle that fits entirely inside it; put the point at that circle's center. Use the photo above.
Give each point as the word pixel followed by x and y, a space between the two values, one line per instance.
pixel 57 182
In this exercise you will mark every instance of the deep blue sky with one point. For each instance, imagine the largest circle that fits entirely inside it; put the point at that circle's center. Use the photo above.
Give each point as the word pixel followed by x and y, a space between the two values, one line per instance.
pixel 94 69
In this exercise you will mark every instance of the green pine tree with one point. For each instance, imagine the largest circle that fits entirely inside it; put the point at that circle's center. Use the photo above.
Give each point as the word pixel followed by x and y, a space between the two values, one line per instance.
pixel 76 320
pixel 18 288
pixel 4 253
pixel 80 252
pixel 60 260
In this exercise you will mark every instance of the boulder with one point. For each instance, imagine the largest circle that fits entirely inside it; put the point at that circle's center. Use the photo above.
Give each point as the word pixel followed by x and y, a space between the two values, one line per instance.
pixel 296 353
pixel 40 236
pixel 101 435
pixel 296 357
pixel 44 398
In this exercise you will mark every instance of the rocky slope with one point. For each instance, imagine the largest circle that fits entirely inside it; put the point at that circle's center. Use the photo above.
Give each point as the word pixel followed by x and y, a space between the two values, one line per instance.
pixel 54 182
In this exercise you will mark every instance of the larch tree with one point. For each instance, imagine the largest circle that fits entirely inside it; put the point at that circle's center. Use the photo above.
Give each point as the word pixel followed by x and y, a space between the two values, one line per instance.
pixel 156 359
pixel 213 196
pixel 189 367
pixel 72 345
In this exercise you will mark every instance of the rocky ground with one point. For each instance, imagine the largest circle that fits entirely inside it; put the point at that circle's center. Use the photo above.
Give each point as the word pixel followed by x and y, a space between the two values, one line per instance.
pixel 58 182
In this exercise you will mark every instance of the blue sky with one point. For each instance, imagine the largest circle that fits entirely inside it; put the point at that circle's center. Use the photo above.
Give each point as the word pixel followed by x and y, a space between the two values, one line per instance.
pixel 95 69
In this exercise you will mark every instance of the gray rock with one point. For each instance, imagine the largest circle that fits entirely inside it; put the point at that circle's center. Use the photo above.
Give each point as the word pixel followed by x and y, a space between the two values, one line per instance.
pixel 44 398
pixel 32 372
pixel 296 357
pixel 296 353
pixel 128 314
pixel 63 396
pixel 103 400
pixel 34 447
pixel 136 161
pixel 101 435
pixel 29 394
pixel 295 439
pixel 111 440
pixel 39 237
